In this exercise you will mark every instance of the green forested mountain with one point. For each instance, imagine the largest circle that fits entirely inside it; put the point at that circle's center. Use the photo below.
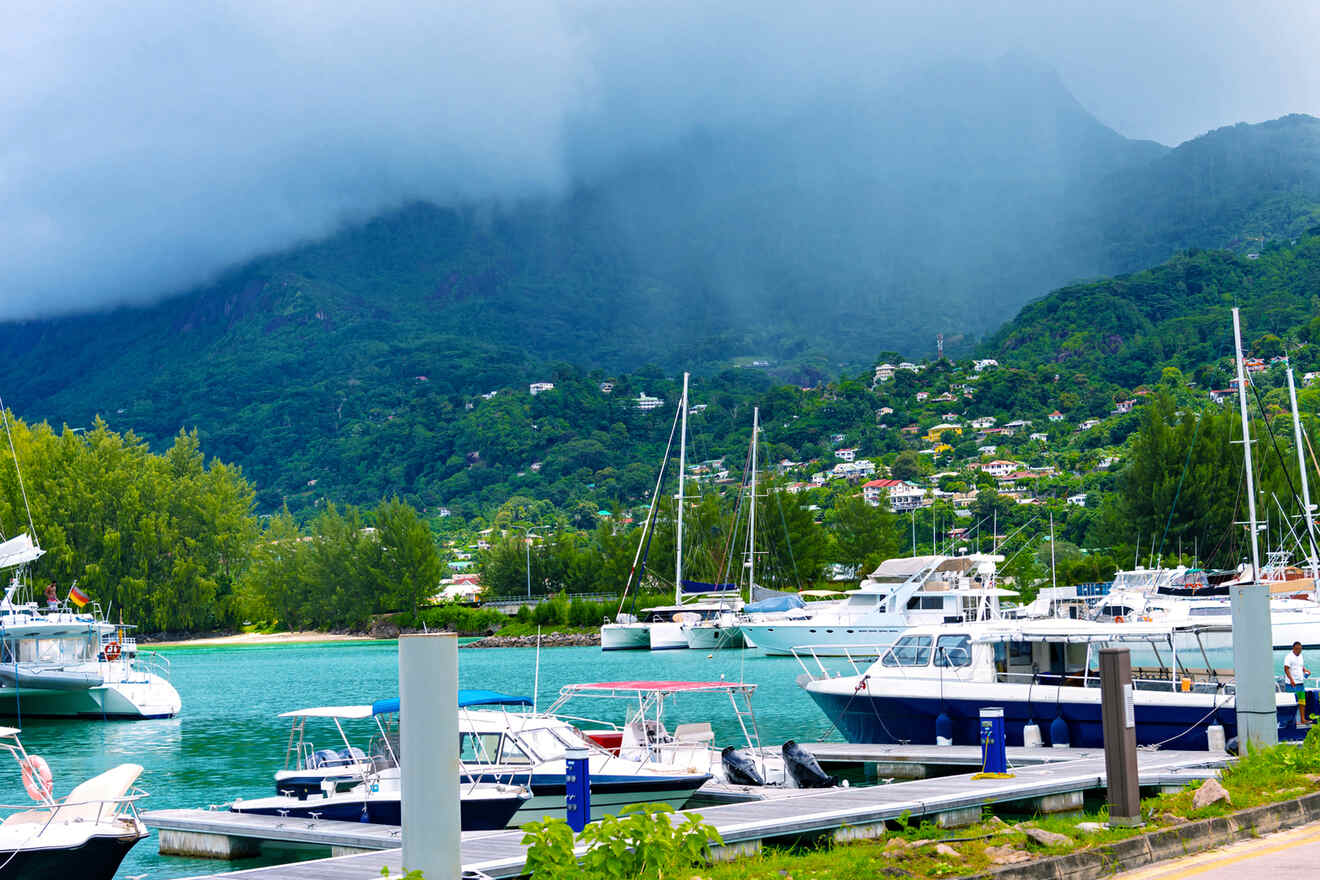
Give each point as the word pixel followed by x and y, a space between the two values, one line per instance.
pixel 353 368
pixel 1125 330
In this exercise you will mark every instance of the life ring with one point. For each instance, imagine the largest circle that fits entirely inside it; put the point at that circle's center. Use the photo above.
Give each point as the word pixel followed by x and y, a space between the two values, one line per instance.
pixel 1118 619
pixel 112 651
pixel 37 779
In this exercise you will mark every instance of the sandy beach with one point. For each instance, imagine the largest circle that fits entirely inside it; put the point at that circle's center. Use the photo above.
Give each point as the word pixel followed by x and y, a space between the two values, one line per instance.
pixel 281 638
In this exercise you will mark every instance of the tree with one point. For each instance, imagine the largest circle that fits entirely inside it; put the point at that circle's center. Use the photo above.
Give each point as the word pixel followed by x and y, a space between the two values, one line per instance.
pixel 410 567
pixel 864 536
pixel 907 466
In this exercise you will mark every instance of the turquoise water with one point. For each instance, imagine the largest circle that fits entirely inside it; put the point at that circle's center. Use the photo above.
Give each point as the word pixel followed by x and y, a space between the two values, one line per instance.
pixel 228 742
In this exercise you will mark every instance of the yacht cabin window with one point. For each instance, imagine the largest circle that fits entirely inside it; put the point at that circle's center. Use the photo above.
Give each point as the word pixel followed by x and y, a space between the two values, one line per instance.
pixel 953 651
pixel 927 603
pixel 909 651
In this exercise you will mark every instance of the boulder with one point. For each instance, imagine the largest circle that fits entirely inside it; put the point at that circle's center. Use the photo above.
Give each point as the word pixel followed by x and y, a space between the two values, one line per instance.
pixel 1043 837
pixel 1006 855
pixel 1211 791
pixel 948 852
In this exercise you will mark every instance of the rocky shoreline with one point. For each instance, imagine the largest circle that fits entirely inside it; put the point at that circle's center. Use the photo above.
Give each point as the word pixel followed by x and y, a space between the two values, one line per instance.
pixel 548 640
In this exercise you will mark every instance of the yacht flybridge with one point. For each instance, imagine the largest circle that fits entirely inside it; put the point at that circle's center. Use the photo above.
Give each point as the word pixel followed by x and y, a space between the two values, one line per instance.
pixel 900 593
pixel 62 662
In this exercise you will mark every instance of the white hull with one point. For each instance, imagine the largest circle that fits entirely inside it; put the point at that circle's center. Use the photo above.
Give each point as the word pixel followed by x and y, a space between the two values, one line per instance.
pixel 710 638
pixel 667 637
pixel 625 637
pixel 539 807
pixel 827 640
pixel 150 697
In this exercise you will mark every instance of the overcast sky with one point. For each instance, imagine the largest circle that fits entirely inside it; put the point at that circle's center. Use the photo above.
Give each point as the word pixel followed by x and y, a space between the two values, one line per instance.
pixel 147 145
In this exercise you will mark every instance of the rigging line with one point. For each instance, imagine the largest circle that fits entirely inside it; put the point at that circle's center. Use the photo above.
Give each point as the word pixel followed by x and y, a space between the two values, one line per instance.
pixel 1274 442
pixel 648 529
pixel 1187 463
pixel 4 413
pixel 788 540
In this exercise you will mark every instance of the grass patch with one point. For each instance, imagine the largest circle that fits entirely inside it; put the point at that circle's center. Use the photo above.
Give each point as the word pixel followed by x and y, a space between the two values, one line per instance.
pixel 1262 776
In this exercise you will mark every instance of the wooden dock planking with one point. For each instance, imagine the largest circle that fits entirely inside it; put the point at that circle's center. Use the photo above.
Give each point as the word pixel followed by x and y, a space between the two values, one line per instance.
pixel 500 853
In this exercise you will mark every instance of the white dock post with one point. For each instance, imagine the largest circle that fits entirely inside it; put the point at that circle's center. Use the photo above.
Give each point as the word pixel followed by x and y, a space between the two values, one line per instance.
pixel 428 739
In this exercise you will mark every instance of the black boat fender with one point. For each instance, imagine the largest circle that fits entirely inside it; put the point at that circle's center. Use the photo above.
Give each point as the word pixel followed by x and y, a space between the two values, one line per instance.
pixel 805 770
pixel 739 768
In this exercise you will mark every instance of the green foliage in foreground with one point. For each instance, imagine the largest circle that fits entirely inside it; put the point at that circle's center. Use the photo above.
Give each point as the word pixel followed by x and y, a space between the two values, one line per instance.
pixel 643 842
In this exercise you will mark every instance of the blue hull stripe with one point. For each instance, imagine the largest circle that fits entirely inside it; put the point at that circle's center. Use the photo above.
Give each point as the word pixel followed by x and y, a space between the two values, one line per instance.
pixel 871 719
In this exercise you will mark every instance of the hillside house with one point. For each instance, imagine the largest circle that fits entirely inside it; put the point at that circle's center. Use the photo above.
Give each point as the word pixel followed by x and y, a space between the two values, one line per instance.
pixel 922 395
pixel 911 367
pixel 1088 424
pixel 606 387
pixel 987 450
pixel 903 496
pixel 836 439
pixel 647 402
pixel 935 432
pixel 888 410
pixel 983 422
pixel 1078 500
pixel 985 364
pixel 1040 437
pixel 1124 406
pixel 1018 424
pixel 852 470
pixel 537 387
pixel 946 397
pixel 1219 395
pixel 885 372
pixel 846 454
pixel 1055 416
pixel 1309 378
pixel 999 467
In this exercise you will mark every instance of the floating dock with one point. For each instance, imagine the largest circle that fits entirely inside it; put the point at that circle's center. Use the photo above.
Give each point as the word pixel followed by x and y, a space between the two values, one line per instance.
pixel 1044 781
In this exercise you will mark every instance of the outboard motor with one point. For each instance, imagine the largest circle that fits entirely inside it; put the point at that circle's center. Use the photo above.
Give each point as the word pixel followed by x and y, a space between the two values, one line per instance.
pixel 804 769
pixel 739 768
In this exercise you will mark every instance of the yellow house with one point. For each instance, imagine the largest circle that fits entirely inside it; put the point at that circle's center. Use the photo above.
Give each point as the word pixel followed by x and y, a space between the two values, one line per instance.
pixel 935 432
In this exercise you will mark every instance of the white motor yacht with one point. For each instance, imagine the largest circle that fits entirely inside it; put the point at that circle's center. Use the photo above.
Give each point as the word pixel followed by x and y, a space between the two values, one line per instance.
pixel 84 835
pixel 64 662
pixel 900 593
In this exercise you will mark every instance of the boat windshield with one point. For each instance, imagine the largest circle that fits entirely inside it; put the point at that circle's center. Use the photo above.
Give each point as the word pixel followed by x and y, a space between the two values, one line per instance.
pixel 953 651
pixel 909 651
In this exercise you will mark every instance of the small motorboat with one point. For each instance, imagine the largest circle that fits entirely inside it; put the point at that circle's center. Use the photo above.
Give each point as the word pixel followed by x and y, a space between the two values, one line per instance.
pixel 84 835
pixel 345 782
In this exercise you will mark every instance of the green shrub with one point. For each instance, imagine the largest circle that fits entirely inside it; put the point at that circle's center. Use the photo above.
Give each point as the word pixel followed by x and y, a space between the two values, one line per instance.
pixel 642 842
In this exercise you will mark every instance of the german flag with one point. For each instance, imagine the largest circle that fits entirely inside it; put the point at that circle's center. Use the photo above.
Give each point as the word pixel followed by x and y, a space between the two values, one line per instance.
pixel 78 597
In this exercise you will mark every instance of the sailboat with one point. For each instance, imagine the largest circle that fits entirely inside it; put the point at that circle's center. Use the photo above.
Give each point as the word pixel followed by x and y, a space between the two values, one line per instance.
pixel 661 628
pixel 724 630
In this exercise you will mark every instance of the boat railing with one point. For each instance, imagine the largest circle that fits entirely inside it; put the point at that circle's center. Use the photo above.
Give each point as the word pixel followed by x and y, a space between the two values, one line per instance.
pixel 1199 681
pixel 128 800
pixel 814 655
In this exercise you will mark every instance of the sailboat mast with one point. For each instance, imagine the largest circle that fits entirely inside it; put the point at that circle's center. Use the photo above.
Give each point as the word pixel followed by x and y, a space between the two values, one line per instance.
pixel 682 472
pixel 751 515
pixel 1301 468
pixel 1246 446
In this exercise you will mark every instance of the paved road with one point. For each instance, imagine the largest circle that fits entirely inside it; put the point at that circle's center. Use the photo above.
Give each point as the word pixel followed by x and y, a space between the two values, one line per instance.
pixel 1287 855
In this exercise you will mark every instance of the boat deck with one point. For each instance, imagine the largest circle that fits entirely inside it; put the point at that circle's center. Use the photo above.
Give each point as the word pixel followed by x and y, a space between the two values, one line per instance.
pixel 1054 773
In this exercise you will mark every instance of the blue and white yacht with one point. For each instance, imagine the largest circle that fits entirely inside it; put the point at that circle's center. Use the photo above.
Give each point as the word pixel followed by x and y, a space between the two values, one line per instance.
pixel 934 680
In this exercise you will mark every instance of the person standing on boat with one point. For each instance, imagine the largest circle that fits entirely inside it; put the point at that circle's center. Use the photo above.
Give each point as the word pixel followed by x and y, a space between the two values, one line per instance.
pixel 1295 671
pixel 52 596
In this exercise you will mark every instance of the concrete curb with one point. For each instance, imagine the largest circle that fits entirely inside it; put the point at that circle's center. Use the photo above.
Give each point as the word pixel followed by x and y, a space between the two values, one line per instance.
pixel 1163 844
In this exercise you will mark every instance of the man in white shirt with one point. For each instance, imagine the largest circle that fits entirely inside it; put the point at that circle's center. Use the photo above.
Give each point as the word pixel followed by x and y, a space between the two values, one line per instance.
pixel 1295 671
